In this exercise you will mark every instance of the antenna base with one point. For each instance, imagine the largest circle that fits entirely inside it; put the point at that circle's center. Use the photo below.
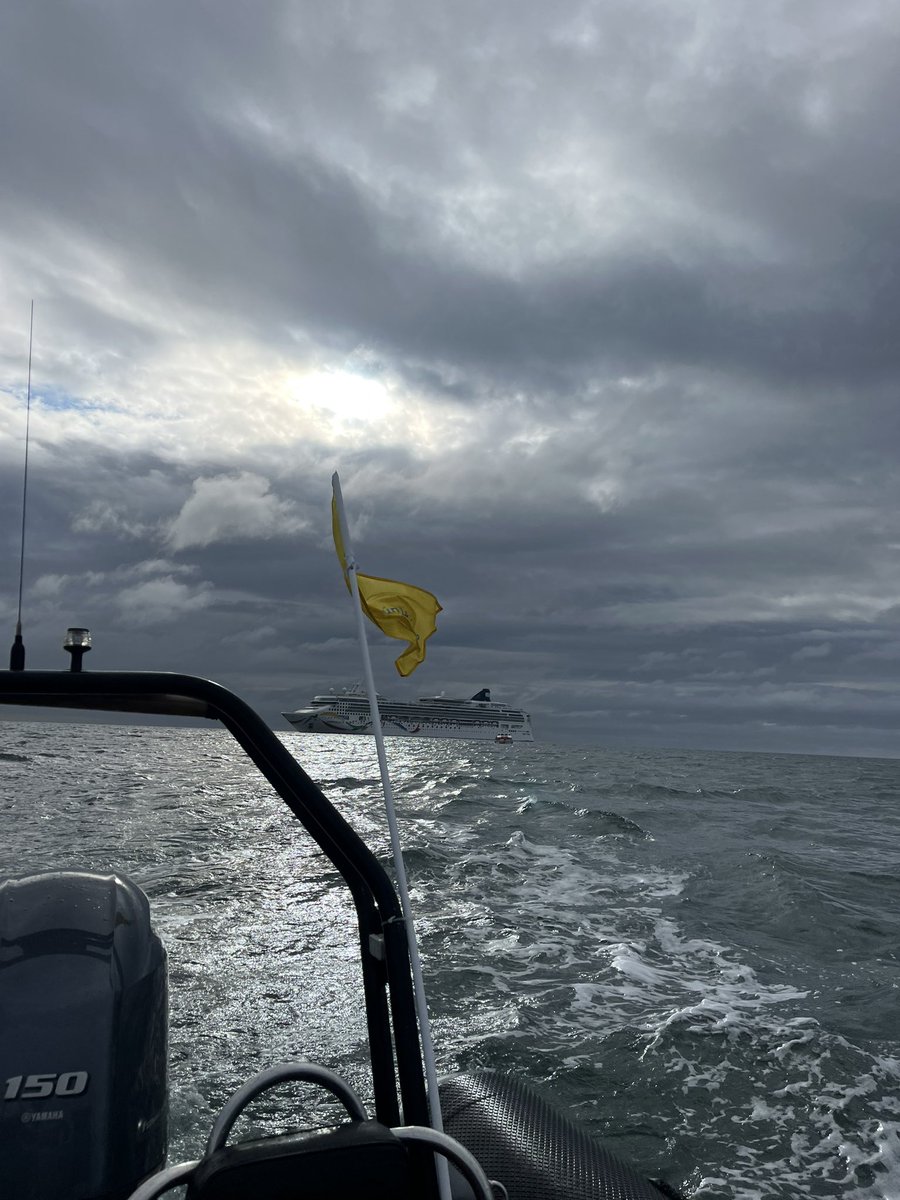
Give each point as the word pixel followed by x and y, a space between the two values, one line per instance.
pixel 17 654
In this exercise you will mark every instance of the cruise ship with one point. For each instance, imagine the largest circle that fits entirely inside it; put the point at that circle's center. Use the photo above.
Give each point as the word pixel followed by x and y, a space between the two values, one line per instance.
pixel 429 717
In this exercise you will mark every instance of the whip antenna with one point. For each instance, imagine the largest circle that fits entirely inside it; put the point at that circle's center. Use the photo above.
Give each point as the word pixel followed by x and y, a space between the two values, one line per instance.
pixel 17 653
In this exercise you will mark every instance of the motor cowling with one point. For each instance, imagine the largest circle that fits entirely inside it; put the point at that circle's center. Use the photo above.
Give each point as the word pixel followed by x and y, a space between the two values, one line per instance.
pixel 83 1038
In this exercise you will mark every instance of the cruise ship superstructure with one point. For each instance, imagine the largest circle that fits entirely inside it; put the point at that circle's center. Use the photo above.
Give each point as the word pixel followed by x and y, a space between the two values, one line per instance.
pixel 430 717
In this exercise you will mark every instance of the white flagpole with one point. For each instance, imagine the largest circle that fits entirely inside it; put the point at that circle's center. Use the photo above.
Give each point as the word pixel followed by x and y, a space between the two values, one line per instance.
pixel 434 1102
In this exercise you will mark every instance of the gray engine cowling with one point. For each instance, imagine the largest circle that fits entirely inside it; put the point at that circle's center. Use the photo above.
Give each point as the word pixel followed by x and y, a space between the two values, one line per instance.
pixel 83 1038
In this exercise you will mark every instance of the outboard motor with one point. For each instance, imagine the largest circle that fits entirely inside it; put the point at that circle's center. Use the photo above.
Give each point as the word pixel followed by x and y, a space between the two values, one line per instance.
pixel 83 1038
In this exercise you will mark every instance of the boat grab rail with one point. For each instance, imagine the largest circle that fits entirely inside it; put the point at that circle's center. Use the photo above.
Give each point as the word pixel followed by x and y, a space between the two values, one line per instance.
pixel 384 943
pixel 296 1072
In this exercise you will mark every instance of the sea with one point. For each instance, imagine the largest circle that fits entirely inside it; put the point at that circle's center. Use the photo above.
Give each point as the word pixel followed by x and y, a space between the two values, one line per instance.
pixel 692 954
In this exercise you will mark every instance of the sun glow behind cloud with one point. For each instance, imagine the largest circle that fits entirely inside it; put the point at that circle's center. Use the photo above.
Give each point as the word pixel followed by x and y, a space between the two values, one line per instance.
pixel 210 404
pixel 340 401
pixel 350 410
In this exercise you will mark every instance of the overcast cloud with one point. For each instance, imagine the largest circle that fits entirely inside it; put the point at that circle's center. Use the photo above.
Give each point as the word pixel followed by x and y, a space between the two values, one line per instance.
pixel 594 306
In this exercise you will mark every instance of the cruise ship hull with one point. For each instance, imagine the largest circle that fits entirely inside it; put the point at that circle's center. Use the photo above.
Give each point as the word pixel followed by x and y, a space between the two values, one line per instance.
pixel 474 719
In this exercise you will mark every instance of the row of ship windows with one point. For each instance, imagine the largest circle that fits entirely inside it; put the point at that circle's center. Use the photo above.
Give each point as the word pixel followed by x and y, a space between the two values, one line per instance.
pixel 444 720
pixel 406 714
pixel 441 723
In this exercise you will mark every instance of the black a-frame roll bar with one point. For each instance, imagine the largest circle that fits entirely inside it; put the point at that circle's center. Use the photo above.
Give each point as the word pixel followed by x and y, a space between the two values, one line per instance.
pixel 384 947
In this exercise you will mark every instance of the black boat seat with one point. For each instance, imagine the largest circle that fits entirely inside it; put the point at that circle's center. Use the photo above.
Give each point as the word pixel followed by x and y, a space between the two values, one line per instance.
pixel 362 1159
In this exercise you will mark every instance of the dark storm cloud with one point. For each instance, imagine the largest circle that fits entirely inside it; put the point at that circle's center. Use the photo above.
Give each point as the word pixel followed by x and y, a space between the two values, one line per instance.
pixel 204 172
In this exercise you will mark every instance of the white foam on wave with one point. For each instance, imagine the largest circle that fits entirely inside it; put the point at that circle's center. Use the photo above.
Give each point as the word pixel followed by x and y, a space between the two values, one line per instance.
pixel 732 997
pixel 627 961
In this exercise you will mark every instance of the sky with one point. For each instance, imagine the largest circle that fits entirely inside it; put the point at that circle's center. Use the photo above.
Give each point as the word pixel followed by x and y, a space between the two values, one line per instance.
pixel 594 307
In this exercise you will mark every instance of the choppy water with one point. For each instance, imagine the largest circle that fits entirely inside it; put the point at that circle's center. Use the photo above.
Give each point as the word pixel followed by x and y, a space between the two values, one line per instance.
pixel 694 954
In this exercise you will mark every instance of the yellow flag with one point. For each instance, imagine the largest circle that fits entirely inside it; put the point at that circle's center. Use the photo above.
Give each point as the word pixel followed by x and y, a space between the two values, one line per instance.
pixel 401 610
